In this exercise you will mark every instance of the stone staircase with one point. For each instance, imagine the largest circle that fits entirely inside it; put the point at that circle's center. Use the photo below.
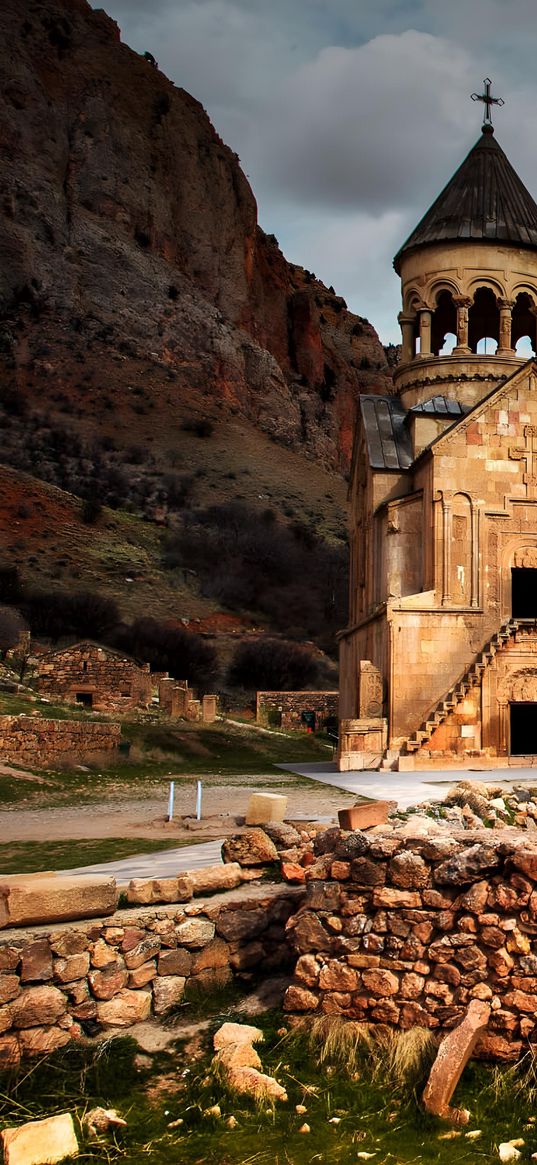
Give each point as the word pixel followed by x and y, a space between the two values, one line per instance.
pixel 460 689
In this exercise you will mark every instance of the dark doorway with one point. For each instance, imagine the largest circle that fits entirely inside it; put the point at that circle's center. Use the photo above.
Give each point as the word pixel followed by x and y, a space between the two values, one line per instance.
pixel 523 729
pixel 85 698
pixel 524 593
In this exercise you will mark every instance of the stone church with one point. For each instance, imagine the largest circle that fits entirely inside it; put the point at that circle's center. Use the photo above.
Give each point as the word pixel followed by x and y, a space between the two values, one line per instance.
pixel 439 661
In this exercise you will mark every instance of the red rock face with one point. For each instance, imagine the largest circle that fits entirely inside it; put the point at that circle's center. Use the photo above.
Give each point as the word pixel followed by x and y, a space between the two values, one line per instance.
pixel 124 215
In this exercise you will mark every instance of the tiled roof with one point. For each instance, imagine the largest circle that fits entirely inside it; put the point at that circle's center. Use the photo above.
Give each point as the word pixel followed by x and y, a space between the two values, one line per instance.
pixel 484 200
pixel 440 406
pixel 387 436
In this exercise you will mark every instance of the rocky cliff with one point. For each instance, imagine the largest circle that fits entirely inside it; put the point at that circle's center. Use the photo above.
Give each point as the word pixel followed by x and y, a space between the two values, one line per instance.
pixel 130 254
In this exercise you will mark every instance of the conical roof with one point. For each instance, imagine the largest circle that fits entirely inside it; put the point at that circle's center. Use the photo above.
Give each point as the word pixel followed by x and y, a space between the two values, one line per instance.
pixel 485 201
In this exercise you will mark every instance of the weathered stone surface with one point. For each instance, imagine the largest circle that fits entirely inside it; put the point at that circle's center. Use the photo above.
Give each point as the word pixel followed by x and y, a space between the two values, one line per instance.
pixel 337 976
pixel 392 899
pixel 106 983
pixel 306 933
pixel 236 1033
pixel 467 866
pixel 379 982
pixel 299 999
pixel 350 845
pixel 36 962
pixel 41 1041
pixel 145 891
pixel 102 955
pixel 126 1008
pixel 36 1006
pixel 525 859
pixel 72 967
pixel 168 990
pixel 69 942
pixel 55 899
pixel 10 958
pixel 367 872
pixel 452 1057
pixel 238 925
pixel 196 932
pixel 9 987
pixel 40 1142
pixel 143 952
pixel 143 975
pixel 9 1052
pixel 409 871
pixel 253 848
pixel 175 962
pixel 307 970
pixel 219 877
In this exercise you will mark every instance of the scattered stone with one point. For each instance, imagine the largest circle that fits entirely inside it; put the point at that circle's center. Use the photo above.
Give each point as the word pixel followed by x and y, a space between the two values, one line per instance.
pixel 265 807
pixel 304 1129
pixel 366 816
pixel 219 877
pixel 507 1151
pixel 451 1059
pixel 100 1120
pixel 40 1142
pixel 253 848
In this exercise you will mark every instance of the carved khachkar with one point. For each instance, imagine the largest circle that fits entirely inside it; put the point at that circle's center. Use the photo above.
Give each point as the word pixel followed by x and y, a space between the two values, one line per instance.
pixel 370 690
pixel 526 557
pixel 520 687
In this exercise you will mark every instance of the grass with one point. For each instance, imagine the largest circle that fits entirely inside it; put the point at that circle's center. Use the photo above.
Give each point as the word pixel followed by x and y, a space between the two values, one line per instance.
pixel 354 1108
pixel 29 857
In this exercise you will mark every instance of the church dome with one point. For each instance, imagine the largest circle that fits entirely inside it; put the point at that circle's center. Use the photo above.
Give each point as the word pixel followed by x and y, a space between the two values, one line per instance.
pixel 484 201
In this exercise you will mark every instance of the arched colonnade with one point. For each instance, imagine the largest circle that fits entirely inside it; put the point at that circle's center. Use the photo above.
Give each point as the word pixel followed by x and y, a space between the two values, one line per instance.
pixel 483 321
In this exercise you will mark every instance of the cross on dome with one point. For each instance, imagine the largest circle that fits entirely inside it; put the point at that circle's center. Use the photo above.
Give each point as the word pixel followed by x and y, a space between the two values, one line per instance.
pixel 488 101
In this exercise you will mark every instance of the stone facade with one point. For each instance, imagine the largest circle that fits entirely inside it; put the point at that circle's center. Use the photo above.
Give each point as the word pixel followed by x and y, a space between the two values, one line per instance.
pixel 30 740
pixel 443 592
pixel 408 930
pixel 123 969
pixel 95 676
pixel 285 709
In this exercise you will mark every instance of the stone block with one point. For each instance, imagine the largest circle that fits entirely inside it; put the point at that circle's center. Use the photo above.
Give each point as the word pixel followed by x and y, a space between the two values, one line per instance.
pixel 145 891
pixel 219 877
pixel 264 808
pixel 365 816
pixel 451 1059
pixel 168 990
pixel 253 848
pixel 36 1006
pixel 125 1009
pixel 24 900
pixel 36 963
pixel 40 1142
pixel 41 1041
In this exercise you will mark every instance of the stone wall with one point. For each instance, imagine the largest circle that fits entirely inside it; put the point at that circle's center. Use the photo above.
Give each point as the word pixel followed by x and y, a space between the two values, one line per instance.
pixel 98 676
pixel 284 709
pixel 407 930
pixel 122 969
pixel 32 741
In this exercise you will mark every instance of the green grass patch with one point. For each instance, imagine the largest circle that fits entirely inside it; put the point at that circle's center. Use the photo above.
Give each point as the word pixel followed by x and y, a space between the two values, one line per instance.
pixel 365 1104
pixel 28 857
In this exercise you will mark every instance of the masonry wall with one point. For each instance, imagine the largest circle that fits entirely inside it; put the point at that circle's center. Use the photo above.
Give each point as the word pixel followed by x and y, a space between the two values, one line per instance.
pixel 406 931
pixel 291 705
pixel 121 970
pixel 115 683
pixel 33 741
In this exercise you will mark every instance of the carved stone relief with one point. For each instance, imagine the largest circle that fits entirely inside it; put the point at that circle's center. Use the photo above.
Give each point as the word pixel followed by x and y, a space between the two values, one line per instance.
pixel 370 690
pixel 526 558
pixel 519 688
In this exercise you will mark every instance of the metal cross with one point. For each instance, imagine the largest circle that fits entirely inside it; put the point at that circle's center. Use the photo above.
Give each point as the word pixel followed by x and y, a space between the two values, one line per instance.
pixel 488 101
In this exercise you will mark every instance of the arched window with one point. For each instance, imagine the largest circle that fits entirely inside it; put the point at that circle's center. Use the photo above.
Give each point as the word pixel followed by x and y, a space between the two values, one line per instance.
pixel 523 327
pixel 444 322
pixel 484 322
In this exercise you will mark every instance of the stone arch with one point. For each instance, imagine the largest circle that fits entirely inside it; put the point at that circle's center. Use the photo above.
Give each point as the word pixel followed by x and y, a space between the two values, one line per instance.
pixel 523 319
pixel 520 555
pixel 483 316
pixel 488 282
pixel 444 319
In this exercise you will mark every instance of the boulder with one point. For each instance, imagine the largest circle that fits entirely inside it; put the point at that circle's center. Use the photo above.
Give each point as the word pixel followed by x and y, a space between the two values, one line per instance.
pixel 25 899
pixel 125 1009
pixel 40 1142
pixel 253 848
pixel 36 1006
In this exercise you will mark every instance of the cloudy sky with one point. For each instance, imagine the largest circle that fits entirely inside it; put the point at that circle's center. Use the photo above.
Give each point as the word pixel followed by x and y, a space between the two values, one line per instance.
pixel 348 115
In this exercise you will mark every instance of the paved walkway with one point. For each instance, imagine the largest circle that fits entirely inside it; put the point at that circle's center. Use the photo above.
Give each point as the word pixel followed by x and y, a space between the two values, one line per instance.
pixel 407 789
pixel 163 864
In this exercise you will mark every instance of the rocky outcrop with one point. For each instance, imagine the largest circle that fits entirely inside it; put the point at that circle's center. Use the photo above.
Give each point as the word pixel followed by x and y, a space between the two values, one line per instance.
pixel 129 246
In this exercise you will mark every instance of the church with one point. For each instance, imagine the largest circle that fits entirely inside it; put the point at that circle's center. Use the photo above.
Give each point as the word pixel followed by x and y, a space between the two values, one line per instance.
pixel 439 661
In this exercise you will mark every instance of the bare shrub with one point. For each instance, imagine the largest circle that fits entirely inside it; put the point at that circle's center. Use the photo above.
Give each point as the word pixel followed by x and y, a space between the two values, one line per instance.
pixel 272 664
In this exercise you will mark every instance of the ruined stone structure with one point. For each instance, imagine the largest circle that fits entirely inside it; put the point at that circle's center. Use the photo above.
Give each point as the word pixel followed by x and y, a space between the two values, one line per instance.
pixel 179 702
pixel 33 741
pixel 408 930
pixel 443 602
pixel 286 709
pixel 97 677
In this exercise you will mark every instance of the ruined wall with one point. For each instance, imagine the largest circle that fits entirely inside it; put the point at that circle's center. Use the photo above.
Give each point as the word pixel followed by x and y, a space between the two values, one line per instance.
pixel 406 931
pixel 121 970
pixel 112 683
pixel 291 705
pixel 35 742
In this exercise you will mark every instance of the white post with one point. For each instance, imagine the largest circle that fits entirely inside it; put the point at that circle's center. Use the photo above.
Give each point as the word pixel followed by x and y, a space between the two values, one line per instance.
pixel 198 802
pixel 170 800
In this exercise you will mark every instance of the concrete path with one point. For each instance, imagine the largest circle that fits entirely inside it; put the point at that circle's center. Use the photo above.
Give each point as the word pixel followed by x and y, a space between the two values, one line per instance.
pixel 408 789
pixel 163 864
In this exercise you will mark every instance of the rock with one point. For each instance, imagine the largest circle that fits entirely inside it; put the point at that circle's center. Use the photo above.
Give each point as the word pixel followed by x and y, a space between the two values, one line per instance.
pixel 282 834
pixel 253 848
pixel 142 975
pixel 508 1152
pixel 25 899
pixel 307 970
pixel 379 982
pixel 106 983
pixel 467 866
pixel 386 896
pixel 41 1041
pixel 71 968
pixel 142 952
pixel 351 845
pixel 236 1033
pixel 525 859
pixel 306 933
pixel 125 1009
pixel 238 925
pixel 102 955
pixel 265 807
pixel 299 999
pixel 40 1142
pixel 336 976
pixel 178 961
pixel 69 942
pixel 9 987
pixel 100 1120
pixel 145 891
pixel 408 871
pixel 292 872
pixel 305 1128
pixel 215 954
pixel 255 1083
pixel 366 816
pixel 168 990
pixel 218 877
pixel 36 1006
pixel 451 1059
pixel 36 963
pixel 196 932
pixel 9 1052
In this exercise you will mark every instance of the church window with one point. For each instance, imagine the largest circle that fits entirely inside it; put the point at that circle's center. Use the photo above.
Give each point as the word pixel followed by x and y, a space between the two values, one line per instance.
pixel 523 326
pixel 444 322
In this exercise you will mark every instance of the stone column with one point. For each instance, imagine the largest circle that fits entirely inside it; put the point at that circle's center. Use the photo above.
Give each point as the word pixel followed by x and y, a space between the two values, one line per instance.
pixel 425 331
pixel 504 346
pixel 474 588
pixel 407 323
pixel 446 547
pixel 462 304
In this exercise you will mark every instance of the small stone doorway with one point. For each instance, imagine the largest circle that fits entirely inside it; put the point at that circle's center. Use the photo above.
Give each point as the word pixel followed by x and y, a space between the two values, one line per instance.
pixel 85 698
pixel 523 735
pixel 524 593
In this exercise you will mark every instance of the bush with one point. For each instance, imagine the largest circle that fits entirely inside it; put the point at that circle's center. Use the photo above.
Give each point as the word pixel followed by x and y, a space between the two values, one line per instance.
pixel 173 649
pixel 55 613
pixel 11 625
pixel 272 665
pixel 91 511
pixel 202 426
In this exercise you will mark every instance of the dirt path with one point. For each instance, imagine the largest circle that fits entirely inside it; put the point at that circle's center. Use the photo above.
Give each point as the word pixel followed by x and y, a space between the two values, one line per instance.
pixel 146 817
